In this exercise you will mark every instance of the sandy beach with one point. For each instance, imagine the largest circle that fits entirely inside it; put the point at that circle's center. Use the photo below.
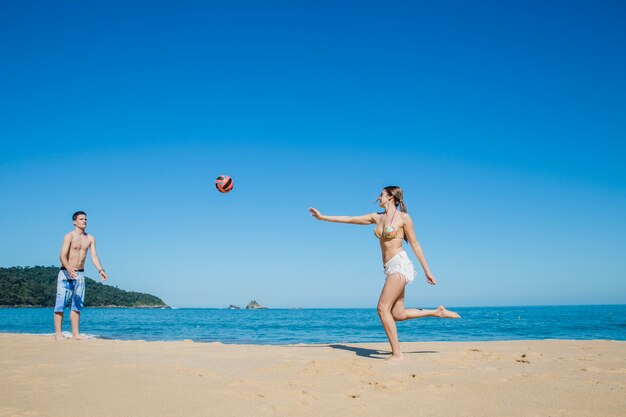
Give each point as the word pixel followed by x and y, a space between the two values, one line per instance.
pixel 42 377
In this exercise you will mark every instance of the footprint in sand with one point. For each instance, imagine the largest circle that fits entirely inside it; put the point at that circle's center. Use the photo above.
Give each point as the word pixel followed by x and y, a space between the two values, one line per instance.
pixel 438 388
pixel 377 386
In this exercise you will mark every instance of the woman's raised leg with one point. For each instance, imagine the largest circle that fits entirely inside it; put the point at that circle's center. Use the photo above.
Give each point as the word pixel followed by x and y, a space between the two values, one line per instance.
pixel 400 313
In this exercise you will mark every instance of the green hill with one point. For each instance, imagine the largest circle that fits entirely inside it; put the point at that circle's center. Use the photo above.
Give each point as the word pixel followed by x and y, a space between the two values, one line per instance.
pixel 36 287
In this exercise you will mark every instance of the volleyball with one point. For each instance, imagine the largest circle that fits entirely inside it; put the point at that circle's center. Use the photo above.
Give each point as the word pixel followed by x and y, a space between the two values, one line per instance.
pixel 224 183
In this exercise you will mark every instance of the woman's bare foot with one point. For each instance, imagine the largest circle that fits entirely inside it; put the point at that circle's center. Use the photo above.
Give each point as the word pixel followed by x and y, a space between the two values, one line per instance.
pixel 58 337
pixel 77 337
pixel 395 358
pixel 446 314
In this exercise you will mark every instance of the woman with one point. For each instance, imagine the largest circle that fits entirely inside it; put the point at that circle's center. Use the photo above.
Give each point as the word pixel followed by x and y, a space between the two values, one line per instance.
pixel 391 227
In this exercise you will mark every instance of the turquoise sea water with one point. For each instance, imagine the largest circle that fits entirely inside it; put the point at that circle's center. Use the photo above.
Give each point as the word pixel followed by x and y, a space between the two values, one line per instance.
pixel 285 326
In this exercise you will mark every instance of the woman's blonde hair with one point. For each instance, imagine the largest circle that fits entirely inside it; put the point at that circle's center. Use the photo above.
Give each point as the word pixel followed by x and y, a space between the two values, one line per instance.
pixel 396 192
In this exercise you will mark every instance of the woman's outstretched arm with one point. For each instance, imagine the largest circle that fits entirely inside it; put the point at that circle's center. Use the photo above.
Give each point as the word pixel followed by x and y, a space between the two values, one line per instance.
pixel 364 219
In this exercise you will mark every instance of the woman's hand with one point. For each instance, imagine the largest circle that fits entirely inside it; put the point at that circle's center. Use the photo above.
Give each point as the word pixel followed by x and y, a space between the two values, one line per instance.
pixel 315 213
pixel 430 279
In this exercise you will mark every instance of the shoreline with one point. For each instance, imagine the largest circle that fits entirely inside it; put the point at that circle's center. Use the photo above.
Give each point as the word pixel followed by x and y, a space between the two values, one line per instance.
pixel 350 308
pixel 190 340
pixel 182 378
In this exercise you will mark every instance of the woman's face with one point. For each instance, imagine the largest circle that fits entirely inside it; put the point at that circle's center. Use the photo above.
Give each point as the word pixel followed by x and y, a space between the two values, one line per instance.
pixel 383 198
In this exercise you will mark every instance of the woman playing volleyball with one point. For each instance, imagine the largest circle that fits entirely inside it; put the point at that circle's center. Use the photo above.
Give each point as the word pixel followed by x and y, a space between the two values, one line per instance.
pixel 391 227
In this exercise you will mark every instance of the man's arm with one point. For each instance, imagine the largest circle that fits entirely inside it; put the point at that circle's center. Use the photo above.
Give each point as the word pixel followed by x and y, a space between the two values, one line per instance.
pixel 95 260
pixel 64 256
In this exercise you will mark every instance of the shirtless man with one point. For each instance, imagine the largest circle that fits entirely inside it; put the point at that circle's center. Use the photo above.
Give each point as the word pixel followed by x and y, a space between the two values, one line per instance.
pixel 71 279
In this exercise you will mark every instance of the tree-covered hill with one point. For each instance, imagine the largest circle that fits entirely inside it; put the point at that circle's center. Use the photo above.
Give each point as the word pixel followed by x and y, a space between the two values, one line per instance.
pixel 36 287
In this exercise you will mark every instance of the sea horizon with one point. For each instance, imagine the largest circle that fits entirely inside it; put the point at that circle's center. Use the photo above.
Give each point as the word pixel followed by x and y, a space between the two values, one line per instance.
pixel 450 307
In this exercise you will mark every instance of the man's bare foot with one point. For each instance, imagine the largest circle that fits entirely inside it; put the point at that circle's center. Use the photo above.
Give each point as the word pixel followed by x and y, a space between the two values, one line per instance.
pixel 58 336
pixel 446 314
pixel 77 337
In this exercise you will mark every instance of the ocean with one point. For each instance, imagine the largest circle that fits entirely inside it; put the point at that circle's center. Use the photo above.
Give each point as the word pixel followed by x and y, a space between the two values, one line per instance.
pixel 350 325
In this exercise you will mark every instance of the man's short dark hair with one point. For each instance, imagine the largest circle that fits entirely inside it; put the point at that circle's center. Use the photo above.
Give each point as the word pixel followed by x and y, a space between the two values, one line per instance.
pixel 78 213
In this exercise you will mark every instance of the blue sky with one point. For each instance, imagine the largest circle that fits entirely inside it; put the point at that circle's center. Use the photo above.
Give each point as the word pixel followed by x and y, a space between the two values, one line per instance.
pixel 503 122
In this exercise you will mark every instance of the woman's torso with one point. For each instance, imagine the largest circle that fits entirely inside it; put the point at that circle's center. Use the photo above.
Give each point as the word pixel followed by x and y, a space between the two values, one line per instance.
pixel 390 239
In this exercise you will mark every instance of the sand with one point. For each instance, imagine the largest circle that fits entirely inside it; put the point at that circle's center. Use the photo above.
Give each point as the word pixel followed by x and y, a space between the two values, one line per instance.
pixel 42 377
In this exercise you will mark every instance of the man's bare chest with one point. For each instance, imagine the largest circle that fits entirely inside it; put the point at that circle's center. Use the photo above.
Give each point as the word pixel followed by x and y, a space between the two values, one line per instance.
pixel 80 243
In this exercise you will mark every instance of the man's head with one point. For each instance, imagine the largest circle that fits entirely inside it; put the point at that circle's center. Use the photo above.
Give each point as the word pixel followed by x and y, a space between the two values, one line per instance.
pixel 80 219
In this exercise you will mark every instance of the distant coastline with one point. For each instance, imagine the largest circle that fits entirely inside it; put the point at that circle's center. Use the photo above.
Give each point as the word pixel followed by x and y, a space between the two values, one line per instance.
pixel 35 287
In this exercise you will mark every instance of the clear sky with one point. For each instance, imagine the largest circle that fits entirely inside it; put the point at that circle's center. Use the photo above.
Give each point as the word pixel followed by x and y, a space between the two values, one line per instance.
pixel 504 122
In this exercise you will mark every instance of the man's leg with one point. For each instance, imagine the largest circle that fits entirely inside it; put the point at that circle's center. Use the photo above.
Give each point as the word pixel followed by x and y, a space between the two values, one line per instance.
pixel 77 305
pixel 59 304
pixel 75 319
pixel 58 322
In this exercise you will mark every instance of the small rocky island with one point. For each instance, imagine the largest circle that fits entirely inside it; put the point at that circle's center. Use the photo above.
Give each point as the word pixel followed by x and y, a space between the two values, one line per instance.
pixel 253 305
